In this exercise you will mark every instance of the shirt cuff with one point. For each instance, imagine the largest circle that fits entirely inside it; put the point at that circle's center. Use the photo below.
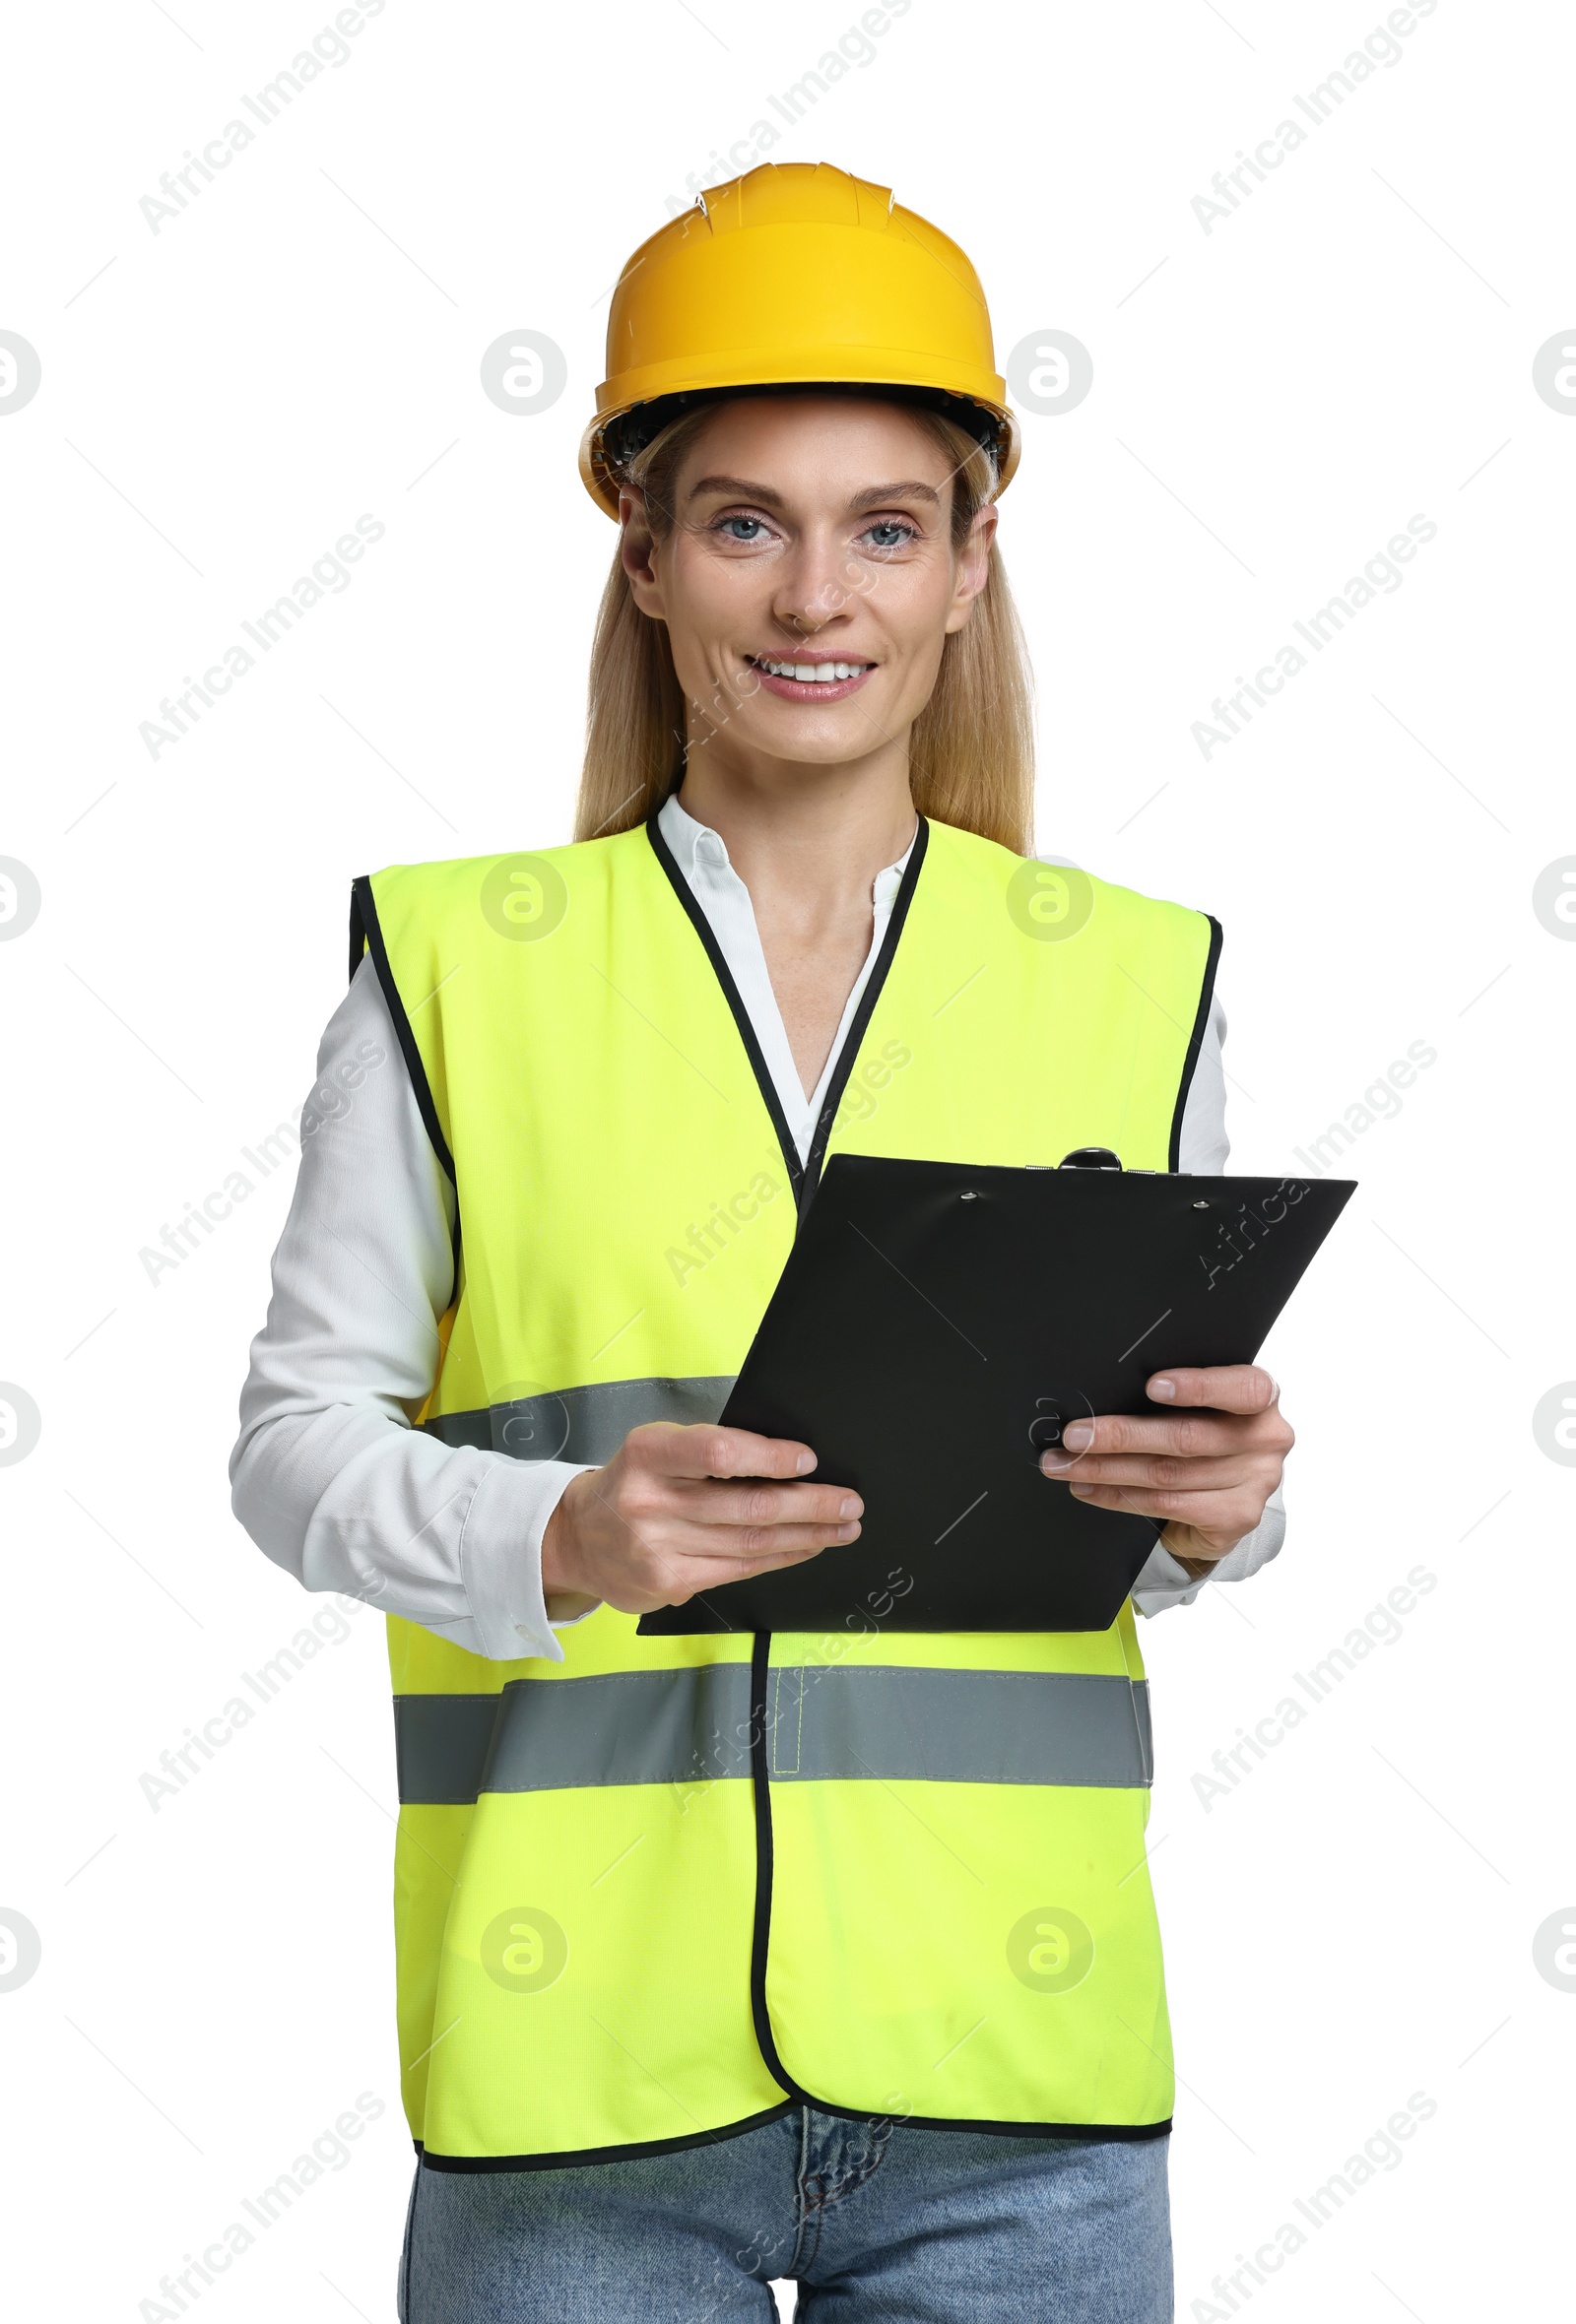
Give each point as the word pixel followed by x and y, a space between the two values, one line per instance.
pixel 1164 1582
pixel 501 1559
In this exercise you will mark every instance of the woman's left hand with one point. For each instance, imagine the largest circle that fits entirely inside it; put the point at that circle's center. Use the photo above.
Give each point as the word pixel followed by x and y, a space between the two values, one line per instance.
pixel 1206 1472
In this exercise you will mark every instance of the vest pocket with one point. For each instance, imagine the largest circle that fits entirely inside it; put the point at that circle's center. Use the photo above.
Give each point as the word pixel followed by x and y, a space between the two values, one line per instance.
pixel 593 1986
pixel 968 1952
pixel 956 1923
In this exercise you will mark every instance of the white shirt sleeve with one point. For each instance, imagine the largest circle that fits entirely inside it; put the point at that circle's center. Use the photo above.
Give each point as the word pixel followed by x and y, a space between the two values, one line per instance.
pixel 1203 1148
pixel 328 1475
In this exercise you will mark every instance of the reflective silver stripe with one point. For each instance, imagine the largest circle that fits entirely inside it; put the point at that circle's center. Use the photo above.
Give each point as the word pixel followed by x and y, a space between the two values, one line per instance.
pixel 823 1722
pixel 586 1424
pixel 633 1726
pixel 957 1726
pixel 441 1746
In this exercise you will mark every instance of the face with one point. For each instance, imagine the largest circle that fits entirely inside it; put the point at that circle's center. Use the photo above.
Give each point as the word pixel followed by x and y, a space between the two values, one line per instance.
pixel 809 583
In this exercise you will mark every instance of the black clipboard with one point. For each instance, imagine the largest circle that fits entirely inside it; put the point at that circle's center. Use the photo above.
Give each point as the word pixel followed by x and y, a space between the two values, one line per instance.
pixel 935 1327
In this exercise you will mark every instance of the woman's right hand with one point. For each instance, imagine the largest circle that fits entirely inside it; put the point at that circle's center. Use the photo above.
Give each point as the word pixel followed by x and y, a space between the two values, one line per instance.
pixel 665 1518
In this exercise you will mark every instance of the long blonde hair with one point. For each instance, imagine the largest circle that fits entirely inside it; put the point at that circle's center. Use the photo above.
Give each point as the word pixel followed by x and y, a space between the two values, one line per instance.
pixel 971 748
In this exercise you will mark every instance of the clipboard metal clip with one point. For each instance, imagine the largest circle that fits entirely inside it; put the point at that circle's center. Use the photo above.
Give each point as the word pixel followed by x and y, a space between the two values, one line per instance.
pixel 1090 1158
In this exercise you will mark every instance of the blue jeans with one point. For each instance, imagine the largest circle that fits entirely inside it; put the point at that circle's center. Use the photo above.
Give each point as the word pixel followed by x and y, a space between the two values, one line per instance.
pixel 935 2226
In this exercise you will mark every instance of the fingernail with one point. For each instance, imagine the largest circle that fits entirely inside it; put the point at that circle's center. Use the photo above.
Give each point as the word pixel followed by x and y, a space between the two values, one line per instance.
pixel 806 1460
pixel 1080 1492
pixel 1079 1434
pixel 1164 1389
pixel 850 1506
pixel 846 1532
pixel 1055 1465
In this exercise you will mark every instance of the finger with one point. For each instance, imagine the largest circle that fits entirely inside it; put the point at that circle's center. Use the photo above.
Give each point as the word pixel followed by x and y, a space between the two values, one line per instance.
pixel 717 1544
pixel 1187 1435
pixel 1162 1471
pixel 740 1568
pixel 705 1501
pixel 710 1450
pixel 1230 1387
pixel 675 1581
pixel 683 1581
pixel 1209 1513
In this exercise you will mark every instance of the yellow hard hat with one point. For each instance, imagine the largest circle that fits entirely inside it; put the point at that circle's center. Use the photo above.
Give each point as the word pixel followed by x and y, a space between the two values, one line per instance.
pixel 795 274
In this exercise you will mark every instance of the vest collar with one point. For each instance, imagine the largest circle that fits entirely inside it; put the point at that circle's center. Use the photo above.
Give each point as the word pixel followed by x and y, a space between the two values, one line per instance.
pixel 692 843
pixel 803 1176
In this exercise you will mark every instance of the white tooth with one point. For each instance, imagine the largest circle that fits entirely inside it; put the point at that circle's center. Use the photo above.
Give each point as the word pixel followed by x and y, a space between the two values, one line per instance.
pixel 844 669
pixel 825 671
pixel 805 670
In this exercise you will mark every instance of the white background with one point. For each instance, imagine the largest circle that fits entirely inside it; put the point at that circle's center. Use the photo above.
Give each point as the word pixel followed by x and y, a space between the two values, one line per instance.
pixel 1272 400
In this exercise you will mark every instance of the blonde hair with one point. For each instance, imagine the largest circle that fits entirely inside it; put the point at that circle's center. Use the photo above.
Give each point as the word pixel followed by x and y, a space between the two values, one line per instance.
pixel 971 748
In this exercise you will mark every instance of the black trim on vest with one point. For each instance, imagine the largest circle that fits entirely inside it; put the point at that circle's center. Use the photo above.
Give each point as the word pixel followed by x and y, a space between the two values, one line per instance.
pixel 863 1013
pixel 760 1932
pixel 1206 996
pixel 573 2157
pixel 741 1016
pixel 358 931
pixel 803 1179
pixel 760 1676
pixel 364 923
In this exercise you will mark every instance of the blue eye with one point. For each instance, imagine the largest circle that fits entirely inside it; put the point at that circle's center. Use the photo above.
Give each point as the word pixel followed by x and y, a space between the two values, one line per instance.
pixel 892 532
pixel 753 524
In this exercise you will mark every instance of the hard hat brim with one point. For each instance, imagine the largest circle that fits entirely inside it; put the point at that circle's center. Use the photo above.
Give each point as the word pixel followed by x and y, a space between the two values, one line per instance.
pixel 600 471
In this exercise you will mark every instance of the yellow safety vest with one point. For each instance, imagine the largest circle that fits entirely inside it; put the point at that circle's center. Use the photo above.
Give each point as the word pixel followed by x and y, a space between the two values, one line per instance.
pixel 669 1887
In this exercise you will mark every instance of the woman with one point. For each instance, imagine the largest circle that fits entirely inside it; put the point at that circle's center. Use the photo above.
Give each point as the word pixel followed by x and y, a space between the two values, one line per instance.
pixel 690 1996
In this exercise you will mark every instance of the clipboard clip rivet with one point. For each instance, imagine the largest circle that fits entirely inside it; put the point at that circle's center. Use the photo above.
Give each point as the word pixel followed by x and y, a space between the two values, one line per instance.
pixel 968 1197
pixel 1201 1205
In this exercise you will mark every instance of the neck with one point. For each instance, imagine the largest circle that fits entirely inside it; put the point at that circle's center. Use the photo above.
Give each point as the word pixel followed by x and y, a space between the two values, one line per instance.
pixel 816 833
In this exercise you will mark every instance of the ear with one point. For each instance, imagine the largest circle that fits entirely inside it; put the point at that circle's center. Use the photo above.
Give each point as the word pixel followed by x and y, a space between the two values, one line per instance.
pixel 973 568
pixel 637 554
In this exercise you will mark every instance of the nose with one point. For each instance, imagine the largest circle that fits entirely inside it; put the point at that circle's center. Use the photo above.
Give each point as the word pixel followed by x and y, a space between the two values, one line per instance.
pixel 812 591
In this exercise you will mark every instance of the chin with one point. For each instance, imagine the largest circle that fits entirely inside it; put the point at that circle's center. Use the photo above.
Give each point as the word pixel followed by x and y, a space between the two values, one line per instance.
pixel 822 742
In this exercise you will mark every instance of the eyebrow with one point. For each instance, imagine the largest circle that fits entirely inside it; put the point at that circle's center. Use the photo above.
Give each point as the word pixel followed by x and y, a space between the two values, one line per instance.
pixel 877 496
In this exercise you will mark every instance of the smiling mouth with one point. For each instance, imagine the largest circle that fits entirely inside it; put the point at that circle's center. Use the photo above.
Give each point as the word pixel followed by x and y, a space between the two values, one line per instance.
pixel 803 681
pixel 808 672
